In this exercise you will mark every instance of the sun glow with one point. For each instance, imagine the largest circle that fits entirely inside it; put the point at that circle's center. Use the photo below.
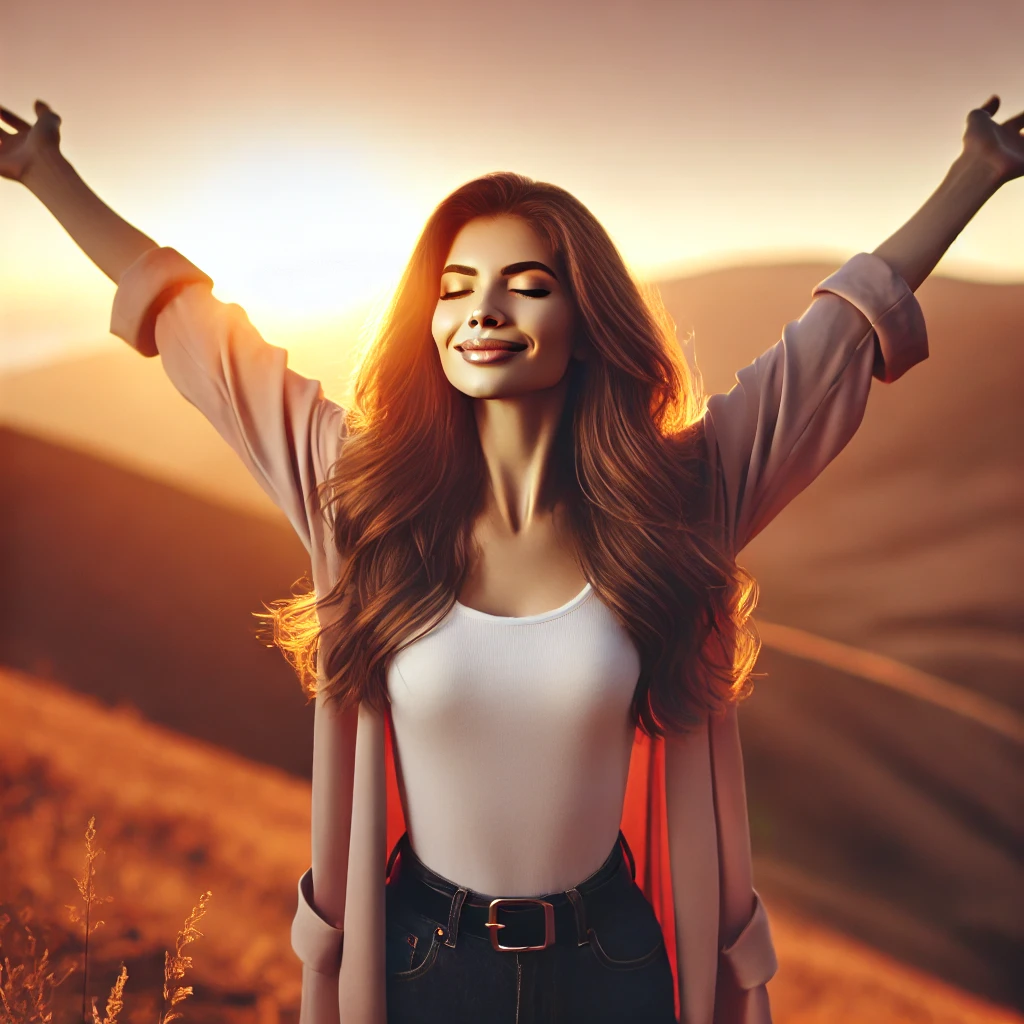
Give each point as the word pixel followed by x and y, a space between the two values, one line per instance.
pixel 303 243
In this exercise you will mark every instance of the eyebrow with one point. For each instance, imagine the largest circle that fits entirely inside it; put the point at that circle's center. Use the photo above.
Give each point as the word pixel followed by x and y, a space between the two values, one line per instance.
pixel 512 268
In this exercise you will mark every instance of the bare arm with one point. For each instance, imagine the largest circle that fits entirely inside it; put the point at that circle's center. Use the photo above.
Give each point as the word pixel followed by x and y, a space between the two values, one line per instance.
pixel 33 157
pixel 106 238
pixel 915 248
pixel 992 154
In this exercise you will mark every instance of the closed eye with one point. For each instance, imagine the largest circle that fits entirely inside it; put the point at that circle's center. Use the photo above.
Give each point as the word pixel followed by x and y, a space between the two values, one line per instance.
pixel 533 293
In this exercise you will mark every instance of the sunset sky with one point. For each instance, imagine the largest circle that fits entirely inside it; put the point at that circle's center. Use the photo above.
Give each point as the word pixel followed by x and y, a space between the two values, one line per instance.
pixel 294 152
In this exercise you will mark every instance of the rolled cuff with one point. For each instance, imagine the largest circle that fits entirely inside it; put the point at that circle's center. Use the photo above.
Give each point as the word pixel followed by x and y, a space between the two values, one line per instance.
pixel 315 942
pixel 144 289
pixel 752 955
pixel 870 284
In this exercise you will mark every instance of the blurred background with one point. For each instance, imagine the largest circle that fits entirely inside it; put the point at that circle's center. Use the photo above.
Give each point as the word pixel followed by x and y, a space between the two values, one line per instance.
pixel 737 153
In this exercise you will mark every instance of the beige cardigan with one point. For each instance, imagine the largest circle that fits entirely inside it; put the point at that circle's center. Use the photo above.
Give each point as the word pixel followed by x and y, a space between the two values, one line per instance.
pixel 791 412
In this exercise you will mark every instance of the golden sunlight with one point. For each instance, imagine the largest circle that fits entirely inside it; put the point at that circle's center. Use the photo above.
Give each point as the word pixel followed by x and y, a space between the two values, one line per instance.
pixel 328 235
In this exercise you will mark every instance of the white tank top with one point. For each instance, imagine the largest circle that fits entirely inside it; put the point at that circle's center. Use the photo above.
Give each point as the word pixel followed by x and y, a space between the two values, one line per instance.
pixel 513 742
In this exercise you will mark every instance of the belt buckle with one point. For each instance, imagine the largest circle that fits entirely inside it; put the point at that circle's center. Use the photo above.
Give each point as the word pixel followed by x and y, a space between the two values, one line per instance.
pixel 492 923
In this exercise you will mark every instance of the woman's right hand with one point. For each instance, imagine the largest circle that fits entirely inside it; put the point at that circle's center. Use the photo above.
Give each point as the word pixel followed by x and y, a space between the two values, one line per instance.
pixel 20 149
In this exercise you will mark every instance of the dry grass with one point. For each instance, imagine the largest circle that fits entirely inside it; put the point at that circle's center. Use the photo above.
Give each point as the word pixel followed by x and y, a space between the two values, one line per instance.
pixel 177 817
pixel 27 988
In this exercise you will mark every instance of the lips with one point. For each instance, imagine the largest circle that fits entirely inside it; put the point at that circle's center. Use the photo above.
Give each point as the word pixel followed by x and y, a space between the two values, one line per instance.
pixel 488 344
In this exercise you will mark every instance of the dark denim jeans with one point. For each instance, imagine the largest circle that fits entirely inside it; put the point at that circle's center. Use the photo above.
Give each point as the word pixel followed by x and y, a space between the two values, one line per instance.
pixel 437 972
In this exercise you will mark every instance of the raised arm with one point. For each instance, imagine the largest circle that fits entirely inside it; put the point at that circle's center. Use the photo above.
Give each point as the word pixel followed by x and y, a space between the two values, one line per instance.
pixel 283 428
pixel 797 405
pixel 992 155
pixel 32 156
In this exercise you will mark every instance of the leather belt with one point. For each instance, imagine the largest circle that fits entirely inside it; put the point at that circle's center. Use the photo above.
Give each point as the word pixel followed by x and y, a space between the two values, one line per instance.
pixel 511 924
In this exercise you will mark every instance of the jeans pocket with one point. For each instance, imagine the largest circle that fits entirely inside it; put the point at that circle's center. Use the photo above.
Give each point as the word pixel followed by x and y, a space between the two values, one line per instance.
pixel 628 935
pixel 619 963
pixel 412 944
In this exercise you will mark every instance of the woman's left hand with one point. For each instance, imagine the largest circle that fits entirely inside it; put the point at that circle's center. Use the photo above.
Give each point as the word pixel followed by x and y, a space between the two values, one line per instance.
pixel 998 146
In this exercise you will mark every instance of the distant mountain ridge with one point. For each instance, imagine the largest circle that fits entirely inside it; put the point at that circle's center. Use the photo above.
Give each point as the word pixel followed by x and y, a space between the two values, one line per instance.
pixel 138 593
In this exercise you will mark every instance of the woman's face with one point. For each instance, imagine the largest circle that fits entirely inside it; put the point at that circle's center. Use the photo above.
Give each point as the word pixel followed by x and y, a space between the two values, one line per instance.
pixel 504 323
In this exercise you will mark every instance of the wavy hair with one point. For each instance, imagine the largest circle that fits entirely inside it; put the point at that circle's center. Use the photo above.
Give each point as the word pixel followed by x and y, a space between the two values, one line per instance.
pixel 631 467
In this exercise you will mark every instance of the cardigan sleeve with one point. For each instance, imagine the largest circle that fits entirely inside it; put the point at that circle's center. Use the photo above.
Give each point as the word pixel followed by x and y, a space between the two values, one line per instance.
pixel 279 423
pixel 795 407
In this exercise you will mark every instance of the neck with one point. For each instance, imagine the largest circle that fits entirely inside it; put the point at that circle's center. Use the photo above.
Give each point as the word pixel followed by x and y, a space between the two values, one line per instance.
pixel 517 436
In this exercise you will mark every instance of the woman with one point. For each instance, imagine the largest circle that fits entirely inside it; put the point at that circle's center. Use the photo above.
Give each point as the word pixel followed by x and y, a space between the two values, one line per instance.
pixel 523 541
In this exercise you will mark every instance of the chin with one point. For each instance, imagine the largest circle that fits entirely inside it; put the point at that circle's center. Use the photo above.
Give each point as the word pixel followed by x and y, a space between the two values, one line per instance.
pixel 489 389
pixel 492 383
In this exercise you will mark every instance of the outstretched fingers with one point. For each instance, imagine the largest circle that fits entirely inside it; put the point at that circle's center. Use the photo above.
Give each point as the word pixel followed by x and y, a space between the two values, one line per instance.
pixel 44 110
pixel 13 120
pixel 991 105
pixel 1015 123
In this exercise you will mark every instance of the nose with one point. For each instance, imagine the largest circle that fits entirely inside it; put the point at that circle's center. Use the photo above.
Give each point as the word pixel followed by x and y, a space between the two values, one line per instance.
pixel 479 318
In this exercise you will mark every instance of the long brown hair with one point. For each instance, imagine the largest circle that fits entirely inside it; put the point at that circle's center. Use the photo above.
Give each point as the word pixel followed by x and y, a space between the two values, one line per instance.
pixel 631 467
